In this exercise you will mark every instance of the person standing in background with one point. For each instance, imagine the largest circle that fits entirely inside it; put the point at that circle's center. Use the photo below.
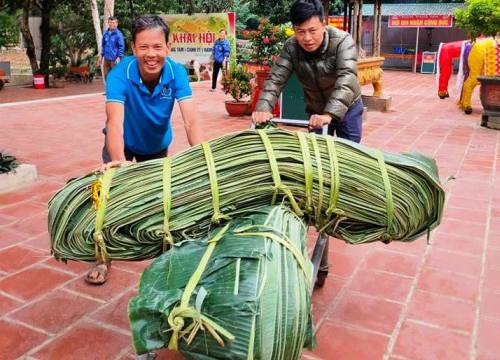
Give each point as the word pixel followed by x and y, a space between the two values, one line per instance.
pixel 220 55
pixel 113 47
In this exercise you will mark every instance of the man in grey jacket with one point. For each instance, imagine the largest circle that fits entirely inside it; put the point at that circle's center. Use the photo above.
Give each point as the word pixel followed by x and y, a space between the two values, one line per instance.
pixel 325 61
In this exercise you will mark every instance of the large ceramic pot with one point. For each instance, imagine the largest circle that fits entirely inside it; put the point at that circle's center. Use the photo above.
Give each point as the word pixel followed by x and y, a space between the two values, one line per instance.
pixel 236 108
pixel 490 99
pixel 261 77
pixel 490 92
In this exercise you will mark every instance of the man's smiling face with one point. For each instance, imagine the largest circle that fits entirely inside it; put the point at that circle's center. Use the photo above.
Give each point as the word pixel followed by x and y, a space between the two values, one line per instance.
pixel 150 48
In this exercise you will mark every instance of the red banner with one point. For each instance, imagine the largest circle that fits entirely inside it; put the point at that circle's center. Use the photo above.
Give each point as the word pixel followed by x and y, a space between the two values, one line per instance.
pixel 414 21
pixel 336 22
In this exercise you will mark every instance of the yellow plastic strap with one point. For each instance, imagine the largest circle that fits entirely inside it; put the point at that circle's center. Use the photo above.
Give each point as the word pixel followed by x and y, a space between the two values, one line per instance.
pixel 334 175
pixel 179 313
pixel 100 195
pixel 167 203
pixel 388 195
pixel 308 170
pixel 283 240
pixel 212 175
pixel 319 166
pixel 275 172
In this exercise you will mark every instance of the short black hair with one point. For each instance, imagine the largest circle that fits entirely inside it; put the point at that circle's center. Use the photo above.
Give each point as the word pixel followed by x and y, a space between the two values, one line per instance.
pixel 145 22
pixel 112 18
pixel 303 10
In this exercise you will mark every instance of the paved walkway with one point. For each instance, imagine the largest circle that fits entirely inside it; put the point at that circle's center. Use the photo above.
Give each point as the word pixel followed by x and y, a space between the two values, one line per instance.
pixel 397 301
pixel 11 94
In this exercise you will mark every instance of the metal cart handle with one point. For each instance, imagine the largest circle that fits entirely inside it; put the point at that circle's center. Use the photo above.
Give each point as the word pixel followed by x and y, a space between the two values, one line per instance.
pixel 319 257
pixel 294 122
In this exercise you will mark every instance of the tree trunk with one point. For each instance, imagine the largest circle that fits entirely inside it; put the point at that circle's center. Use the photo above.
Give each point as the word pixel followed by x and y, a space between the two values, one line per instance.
pixel 23 22
pixel 326 6
pixel 190 9
pixel 46 8
pixel 109 10
pixel 97 24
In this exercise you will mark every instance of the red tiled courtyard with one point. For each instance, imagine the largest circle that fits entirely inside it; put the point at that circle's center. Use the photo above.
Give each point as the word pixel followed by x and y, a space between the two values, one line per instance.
pixel 397 301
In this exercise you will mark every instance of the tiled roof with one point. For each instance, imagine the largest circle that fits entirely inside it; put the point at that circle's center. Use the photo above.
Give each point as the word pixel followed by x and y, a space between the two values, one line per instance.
pixel 414 9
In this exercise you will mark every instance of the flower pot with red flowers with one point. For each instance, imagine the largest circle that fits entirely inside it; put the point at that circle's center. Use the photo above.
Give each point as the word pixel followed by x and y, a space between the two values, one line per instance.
pixel 267 42
pixel 236 82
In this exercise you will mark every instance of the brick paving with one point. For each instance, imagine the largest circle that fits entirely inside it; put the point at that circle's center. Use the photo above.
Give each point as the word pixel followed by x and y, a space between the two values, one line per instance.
pixel 397 301
pixel 18 93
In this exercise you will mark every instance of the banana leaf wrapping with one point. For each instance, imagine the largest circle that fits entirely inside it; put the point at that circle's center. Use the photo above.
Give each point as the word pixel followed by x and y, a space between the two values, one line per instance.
pixel 243 292
pixel 345 189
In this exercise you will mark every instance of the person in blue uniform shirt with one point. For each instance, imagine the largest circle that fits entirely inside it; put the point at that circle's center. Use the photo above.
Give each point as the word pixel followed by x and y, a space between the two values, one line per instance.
pixel 112 47
pixel 140 95
pixel 220 56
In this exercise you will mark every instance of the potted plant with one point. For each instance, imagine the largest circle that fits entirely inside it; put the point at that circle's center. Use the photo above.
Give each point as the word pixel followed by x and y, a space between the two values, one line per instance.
pixel 58 72
pixel 267 43
pixel 236 82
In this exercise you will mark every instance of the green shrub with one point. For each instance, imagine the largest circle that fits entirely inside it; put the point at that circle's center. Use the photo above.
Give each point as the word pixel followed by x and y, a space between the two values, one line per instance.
pixel 237 83
pixel 7 163
pixel 58 71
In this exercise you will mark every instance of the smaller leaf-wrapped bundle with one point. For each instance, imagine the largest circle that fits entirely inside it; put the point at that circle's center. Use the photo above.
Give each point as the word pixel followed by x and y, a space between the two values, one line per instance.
pixel 243 292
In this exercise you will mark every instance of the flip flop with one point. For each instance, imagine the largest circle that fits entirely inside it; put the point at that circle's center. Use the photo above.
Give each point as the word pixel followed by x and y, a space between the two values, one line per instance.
pixel 102 271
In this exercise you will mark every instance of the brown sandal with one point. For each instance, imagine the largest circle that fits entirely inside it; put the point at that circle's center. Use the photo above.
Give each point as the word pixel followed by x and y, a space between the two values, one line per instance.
pixel 98 273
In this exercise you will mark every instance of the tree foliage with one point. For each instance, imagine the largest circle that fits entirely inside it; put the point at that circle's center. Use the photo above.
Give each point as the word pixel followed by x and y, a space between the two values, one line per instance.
pixel 73 34
pixel 9 33
pixel 277 11
pixel 68 33
pixel 479 17
pixel 244 17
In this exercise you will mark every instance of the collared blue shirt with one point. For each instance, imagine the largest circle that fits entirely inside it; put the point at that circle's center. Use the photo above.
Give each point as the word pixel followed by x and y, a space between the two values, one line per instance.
pixel 113 45
pixel 147 124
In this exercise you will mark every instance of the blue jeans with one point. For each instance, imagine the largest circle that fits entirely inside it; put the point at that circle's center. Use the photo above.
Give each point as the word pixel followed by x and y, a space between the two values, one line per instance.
pixel 350 127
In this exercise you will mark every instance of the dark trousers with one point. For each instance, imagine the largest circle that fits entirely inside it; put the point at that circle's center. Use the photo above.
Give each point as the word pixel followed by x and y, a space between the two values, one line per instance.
pixel 215 73
pixel 130 155
pixel 350 127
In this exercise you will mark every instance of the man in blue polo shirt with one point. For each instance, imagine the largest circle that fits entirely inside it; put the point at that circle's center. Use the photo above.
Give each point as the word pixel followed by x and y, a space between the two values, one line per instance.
pixel 140 96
